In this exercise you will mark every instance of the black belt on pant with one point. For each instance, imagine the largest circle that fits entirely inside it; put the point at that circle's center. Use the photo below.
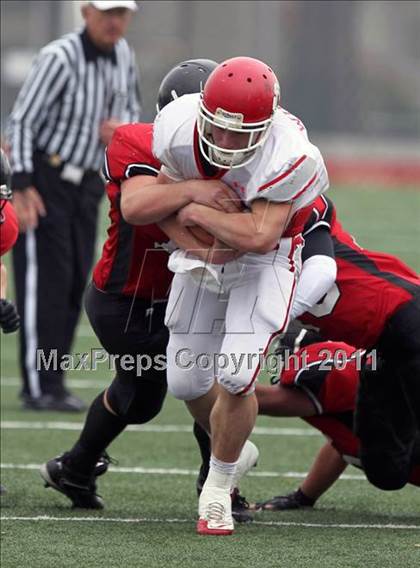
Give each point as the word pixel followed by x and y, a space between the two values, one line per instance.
pixel 55 161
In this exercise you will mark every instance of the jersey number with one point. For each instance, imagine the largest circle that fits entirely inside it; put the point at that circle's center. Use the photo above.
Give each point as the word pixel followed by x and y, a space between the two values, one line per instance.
pixel 327 304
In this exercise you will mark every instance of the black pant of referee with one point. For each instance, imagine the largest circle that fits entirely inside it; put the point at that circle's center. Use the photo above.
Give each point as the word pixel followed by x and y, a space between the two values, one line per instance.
pixel 51 267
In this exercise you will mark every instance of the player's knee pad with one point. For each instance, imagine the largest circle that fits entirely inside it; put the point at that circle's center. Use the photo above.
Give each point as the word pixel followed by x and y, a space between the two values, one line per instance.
pixel 139 400
pixel 186 384
pixel 237 378
pixel 189 375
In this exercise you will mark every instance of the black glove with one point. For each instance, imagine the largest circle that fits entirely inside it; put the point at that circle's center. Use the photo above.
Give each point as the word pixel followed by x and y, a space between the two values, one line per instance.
pixel 295 500
pixel 9 318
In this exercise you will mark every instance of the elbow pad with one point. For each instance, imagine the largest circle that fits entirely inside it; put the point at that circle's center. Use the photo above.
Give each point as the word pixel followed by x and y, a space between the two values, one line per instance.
pixel 318 275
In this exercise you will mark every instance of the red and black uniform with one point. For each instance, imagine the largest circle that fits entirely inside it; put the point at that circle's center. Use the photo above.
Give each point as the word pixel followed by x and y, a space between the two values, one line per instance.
pixel 333 390
pixel 370 286
pixel 132 262
pixel 9 229
pixel 126 300
pixel 374 304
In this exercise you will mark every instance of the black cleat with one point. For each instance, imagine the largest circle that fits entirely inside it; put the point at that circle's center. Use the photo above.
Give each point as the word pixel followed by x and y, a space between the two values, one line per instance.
pixel 65 403
pixel 102 464
pixel 80 489
pixel 240 508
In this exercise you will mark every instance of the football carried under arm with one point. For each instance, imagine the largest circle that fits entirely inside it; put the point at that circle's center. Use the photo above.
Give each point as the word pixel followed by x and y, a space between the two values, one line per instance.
pixel 182 237
pixel 145 202
pixel 204 248
pixel 257 230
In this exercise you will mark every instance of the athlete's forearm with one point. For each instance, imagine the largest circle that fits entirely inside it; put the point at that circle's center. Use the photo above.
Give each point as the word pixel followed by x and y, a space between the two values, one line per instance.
pixel 245 232
pixel 283 401
pixel 3 280
pixel 144 203
pixel 324 472
pixel 182 237
pixel 235 229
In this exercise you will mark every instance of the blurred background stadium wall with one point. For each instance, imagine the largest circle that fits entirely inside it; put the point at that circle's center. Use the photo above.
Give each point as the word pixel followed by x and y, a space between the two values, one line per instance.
pixel 349 69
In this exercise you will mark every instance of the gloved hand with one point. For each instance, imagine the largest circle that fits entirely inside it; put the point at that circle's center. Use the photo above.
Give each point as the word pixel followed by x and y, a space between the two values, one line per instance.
pixel 294 500
pixel 9 318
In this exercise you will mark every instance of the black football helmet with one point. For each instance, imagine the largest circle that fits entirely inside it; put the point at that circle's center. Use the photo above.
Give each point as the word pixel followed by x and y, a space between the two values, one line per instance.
pixel 185 78
pixel 5 178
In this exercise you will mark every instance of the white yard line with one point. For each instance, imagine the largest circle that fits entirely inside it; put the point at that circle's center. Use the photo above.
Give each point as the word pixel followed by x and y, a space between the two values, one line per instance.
pixel 167 428
pixel 176 471
pixel 73 383
pixel 47 518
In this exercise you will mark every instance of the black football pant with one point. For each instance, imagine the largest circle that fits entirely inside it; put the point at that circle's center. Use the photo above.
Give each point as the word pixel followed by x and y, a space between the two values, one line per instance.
pixel 132 327
pixel 51 267
pixel 388 406
pixel 133 332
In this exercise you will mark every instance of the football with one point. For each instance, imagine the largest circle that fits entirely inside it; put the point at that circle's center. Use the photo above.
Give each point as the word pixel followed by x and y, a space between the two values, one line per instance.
pixel 202 235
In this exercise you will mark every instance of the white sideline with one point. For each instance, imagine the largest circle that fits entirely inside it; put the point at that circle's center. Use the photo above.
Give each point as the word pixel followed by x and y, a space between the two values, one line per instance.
pixel 172 428
pixel 176 471
pixel 47 518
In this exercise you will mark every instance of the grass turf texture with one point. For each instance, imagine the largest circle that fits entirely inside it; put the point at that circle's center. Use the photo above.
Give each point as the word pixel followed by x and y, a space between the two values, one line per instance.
pixel 160 507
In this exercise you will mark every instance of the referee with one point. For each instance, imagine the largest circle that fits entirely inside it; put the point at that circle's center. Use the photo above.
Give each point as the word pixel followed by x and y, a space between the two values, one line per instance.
pixel 80 88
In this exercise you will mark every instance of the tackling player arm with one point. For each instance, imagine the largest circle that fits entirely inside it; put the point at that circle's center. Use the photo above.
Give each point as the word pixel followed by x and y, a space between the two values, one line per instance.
pixel 324 472
pixel 157 201
pixel 256 231
pixel 280 400
pixel 319 271
pixel 144 203
pixel 3 280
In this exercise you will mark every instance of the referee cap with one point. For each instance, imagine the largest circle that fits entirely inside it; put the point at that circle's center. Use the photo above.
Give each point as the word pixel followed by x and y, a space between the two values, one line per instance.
pixel 110 5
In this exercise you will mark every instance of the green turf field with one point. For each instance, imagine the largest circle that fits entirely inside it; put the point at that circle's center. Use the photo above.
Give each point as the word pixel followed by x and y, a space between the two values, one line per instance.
pixel 150 498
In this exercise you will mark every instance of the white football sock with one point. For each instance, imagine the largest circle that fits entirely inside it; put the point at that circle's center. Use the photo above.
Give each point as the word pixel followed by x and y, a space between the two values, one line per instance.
pixel 220 473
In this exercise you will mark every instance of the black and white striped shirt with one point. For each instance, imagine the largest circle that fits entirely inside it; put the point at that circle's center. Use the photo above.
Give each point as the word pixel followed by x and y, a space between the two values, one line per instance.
pixel 71 89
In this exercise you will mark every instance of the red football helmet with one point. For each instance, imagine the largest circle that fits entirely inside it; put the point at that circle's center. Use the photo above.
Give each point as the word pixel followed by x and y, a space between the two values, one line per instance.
pixel 240 96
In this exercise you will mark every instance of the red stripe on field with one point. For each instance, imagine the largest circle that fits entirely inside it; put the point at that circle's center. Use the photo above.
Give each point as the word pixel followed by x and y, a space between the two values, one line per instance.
pixel 386 172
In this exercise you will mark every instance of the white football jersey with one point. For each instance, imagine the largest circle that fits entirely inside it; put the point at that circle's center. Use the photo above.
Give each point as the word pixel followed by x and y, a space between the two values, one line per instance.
pixel 286 168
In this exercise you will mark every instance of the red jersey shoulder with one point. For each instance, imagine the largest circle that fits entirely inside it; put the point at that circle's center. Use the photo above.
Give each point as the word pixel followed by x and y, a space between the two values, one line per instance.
pixel 327 372
pixel 323 214
pixel 130 153
pixel 9 228
pixel 375 263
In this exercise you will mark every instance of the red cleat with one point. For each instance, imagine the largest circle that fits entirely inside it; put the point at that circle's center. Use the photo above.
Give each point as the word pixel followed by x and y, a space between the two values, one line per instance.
pixel 203 529
pixel 215 512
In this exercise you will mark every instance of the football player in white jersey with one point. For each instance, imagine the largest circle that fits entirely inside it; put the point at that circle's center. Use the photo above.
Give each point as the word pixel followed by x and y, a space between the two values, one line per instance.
pixel 222 315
